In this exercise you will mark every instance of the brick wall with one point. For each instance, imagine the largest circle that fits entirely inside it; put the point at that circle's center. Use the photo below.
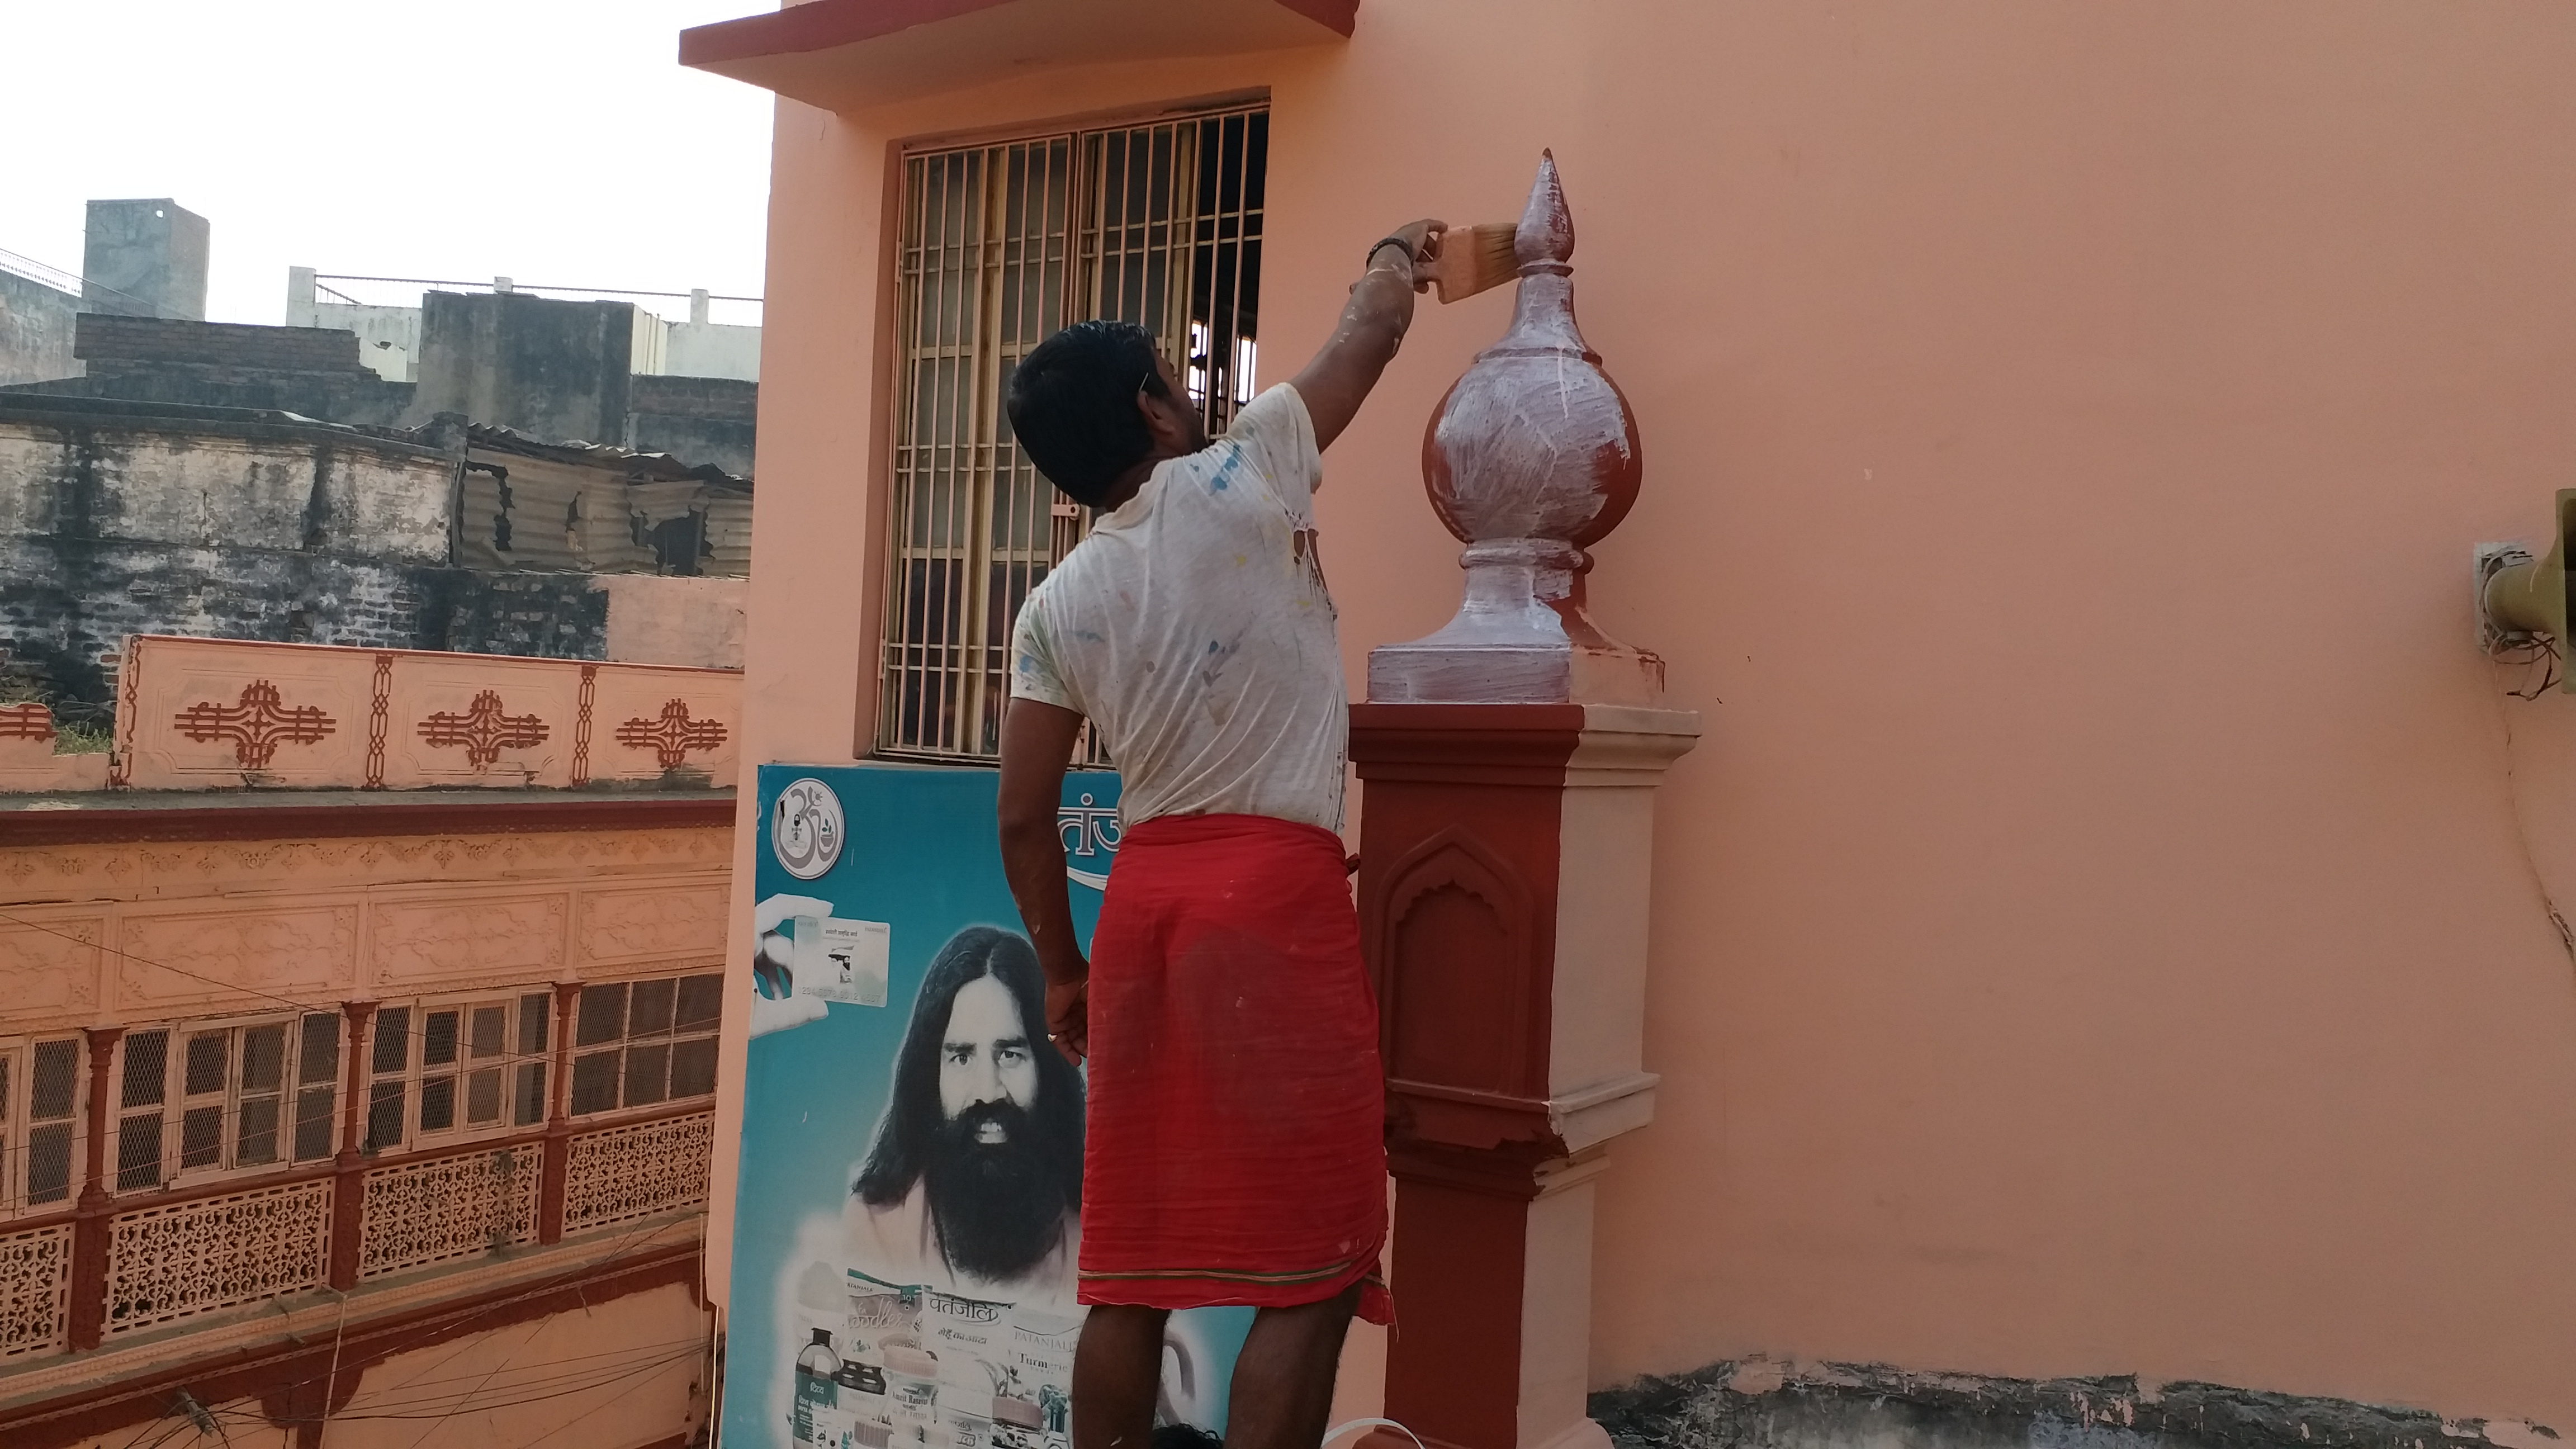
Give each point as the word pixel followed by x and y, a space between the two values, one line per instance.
pixel 230 344
pixel 67 604
pixel 694 397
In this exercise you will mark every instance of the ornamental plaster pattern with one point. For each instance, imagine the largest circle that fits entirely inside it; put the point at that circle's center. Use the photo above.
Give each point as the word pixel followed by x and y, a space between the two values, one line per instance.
pixel 195 1257
pixel 35 1286
pixel 635 1172
pixel 453 1207
pixel 169 962
pixel 152 871
pixel 643 925
pixel 199 712
pixel 245 923
pixel 458 941
pixel 52 964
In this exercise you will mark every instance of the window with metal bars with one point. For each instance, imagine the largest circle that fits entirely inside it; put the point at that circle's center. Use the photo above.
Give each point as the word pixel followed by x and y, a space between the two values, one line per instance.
pixel 639 1043
pixel 448 1071
pixel 39 1124
pixel 1001 245
pixel 201 1099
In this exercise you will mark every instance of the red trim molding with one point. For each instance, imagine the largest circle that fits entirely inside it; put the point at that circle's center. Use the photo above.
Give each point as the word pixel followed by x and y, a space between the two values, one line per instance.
pixel 290 819
pixel 825 24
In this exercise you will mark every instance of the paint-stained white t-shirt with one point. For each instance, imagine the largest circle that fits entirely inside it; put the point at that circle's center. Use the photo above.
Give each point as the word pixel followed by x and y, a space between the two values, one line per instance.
pixel 1193 629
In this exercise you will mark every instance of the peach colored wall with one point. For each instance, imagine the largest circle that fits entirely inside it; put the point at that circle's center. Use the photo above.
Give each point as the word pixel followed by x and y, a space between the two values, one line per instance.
pixel 2093 936
pixel 241 924
pixel 629 1373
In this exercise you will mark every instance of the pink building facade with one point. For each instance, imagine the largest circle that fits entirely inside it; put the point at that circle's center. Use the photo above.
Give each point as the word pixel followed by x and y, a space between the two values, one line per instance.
pixel 2105 928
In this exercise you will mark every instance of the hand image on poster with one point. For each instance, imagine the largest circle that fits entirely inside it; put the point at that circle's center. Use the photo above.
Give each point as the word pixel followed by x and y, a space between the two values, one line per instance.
pixel 908 1211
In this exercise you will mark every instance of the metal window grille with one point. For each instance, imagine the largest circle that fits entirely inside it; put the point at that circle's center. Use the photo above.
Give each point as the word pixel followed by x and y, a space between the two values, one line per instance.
pixel 1002 244
pixel 39 1125
pixel 203 1099
pixel 655 1042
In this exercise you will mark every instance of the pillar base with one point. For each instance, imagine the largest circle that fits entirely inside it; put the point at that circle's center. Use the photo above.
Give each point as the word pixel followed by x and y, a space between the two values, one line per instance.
pixel 1505 860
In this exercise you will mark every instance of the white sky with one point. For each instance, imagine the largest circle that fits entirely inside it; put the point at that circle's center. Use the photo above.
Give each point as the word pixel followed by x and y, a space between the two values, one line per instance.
pixel 554 141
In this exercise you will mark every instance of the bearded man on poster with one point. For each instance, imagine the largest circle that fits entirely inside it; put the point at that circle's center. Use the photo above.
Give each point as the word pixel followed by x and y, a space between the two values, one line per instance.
pixel 973 1185
pixel 1234 1150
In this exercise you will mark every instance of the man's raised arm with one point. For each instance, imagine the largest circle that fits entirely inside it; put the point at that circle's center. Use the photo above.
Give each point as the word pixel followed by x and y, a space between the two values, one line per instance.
pixel 1381 307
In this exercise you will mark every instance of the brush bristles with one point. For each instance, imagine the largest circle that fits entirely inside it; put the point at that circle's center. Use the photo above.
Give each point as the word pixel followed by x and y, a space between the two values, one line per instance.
pixel 1473 259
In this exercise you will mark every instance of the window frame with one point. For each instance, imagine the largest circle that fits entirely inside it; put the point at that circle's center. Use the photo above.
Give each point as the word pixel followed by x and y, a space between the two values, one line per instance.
pixel 622 1049
pixel 520 1072
pixel 970 527
pixel 19 1123
pixel 296 1085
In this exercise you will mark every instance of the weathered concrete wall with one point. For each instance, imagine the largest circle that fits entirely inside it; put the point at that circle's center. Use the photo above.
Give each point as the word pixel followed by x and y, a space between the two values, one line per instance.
pixel 313 372
pixel 85 469
pixel 358 399
pixel 537 615
pixel 36 331
pixel 103 337
pixel 1759 1403
pixel 145 258
pixel 694 419
pixel 712 349
pixel 67 604
pixel 658 620
pixel 553 370
pixel 117 522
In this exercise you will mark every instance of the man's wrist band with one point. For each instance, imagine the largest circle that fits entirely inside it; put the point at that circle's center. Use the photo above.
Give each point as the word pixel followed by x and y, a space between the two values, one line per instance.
pixel 1382 244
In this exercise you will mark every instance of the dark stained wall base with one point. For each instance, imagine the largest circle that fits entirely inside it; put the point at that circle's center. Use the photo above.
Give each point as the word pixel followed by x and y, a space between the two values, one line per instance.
pixel 1760 1404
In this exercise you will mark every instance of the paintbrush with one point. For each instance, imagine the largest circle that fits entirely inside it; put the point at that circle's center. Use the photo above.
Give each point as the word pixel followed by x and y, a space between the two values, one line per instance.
pixel 1472 259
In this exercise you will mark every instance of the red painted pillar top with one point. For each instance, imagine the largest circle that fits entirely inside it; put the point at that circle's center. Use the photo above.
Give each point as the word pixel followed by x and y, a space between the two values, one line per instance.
pixel 1532 457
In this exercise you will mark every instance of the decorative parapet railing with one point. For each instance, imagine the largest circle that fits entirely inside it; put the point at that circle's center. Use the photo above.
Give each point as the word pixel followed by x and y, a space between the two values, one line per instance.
pixel 35 1289
pixel 186 1254
pixel 212 713
pixel 473 1203
pixel 174 1262
pixel 634 1172
pixel 29 759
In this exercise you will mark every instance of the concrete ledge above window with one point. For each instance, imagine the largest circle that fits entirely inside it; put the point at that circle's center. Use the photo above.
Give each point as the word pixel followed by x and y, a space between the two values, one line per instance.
pixel 847 54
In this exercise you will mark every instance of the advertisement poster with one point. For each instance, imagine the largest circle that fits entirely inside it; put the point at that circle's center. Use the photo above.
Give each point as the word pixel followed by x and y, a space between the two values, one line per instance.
pixel 908 1207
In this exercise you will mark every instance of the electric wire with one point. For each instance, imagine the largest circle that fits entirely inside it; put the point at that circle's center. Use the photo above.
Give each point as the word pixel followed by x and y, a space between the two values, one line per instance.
pixel 2513 793
pixel 416 1033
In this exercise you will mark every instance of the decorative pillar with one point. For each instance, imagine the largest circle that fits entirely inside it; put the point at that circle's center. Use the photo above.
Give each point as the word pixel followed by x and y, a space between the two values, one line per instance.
pixel 349 1168
pixel 1509 764
pixel 90 1211
pixel 557 1163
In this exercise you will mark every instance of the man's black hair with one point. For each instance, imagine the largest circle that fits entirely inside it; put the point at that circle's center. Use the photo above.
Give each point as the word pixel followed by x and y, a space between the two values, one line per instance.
pixel 1073 405
pixel 913 1115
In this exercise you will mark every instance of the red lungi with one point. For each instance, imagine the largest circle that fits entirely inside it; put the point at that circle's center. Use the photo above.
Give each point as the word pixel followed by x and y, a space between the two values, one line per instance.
pixel 1234 1151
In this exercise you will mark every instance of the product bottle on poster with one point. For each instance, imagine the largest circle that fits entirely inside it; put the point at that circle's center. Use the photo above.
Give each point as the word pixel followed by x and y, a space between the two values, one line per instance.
pixel 912 1381
pixel 881 1316
pixel 817 1396
pixel 863 1418
pixel 1029 1411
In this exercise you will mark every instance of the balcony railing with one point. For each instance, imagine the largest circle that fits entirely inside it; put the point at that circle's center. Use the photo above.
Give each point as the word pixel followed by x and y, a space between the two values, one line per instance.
pixel 121 1265
pixel 459 1206
pixel 35 1290
pixel 168 1263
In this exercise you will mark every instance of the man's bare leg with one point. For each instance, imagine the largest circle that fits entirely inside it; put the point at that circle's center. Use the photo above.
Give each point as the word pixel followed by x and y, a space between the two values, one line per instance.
pixel 1283 1379
pixel 1117 1368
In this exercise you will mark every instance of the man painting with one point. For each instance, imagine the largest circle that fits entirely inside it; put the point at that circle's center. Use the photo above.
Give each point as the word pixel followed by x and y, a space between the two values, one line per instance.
pixel 1234 1151
pixel 974 1184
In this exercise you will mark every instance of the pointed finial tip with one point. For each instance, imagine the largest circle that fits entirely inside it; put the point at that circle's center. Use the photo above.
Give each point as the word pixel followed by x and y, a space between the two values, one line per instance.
pixel 1546 232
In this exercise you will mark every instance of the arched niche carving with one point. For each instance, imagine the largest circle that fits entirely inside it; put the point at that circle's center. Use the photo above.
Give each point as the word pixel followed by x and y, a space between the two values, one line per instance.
pixel 1454 962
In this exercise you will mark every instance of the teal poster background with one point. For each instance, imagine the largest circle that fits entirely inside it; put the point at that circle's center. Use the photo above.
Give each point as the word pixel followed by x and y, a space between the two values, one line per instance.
pixel 918 853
